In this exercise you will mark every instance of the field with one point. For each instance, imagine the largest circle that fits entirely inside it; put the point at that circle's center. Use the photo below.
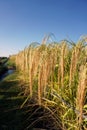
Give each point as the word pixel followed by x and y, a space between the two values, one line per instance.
pixel 53 80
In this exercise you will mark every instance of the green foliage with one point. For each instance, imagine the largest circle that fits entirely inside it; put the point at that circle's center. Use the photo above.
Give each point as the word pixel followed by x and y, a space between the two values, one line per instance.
pixel 11 63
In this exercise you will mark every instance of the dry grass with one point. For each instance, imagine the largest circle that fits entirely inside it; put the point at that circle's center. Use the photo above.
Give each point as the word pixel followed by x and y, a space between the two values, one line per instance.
pixel 56 66
pixel 81 93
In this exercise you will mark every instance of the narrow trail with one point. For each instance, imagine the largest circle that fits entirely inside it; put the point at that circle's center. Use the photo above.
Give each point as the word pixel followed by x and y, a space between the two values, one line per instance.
pixel 10 113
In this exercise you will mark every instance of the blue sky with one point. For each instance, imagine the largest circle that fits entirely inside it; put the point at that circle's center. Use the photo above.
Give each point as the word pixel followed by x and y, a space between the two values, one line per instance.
pixel 26 21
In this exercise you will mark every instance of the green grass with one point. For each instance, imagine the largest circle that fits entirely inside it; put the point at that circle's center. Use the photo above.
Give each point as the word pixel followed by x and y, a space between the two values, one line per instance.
pixel 10 63
pixel 11 116
pixel 3 60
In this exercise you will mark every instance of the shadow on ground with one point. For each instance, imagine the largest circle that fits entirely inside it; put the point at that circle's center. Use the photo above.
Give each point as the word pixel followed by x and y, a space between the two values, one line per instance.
pixel 11 116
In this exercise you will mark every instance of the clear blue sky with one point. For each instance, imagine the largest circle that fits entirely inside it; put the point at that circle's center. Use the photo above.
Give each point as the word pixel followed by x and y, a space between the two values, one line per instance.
pixel 26 21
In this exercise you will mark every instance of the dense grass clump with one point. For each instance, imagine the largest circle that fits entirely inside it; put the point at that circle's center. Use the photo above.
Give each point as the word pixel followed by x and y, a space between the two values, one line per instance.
pixel 55 75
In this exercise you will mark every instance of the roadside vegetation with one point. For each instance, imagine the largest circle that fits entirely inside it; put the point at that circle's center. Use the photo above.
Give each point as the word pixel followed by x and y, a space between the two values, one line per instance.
pixel 51 80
